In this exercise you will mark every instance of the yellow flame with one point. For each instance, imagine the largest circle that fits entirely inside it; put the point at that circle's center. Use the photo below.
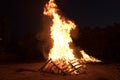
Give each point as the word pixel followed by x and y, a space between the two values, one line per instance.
pixel 60 33
pixel 88 58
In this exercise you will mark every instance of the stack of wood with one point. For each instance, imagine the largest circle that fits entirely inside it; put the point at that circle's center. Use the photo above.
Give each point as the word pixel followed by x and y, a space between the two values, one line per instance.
pixel 62 67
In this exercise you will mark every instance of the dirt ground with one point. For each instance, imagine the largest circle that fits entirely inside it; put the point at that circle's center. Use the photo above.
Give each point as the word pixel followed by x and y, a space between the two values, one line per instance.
pixel 29 71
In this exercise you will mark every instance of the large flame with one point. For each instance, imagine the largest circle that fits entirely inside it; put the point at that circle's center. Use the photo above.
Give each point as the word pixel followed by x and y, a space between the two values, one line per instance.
pixel 60 33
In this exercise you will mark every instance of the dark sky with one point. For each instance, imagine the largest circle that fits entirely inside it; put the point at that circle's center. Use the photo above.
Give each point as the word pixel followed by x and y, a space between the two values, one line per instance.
pixel 92 12
pixel 24 16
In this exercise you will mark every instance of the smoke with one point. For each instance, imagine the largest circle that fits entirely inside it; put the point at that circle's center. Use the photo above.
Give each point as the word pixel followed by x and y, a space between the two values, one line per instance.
pixel 74 45
pixel 45 42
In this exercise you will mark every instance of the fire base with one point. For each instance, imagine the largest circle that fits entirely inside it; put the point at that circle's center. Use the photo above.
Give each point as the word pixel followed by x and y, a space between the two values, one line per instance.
pixel 62 67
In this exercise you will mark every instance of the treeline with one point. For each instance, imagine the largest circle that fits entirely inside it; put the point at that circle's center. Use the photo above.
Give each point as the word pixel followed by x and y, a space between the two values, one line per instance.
pixel 103 43
pixel 25 48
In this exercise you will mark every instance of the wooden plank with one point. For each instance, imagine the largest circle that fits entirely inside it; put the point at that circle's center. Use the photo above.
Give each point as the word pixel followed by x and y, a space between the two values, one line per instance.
pixel 44 65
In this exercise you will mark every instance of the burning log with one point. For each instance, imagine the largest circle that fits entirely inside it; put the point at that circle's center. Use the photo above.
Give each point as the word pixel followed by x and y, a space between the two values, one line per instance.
pixel 51 67
pixel 62 67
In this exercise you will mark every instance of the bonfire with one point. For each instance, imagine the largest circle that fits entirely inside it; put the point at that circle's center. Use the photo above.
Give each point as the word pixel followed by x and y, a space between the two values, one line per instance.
pixel 61 59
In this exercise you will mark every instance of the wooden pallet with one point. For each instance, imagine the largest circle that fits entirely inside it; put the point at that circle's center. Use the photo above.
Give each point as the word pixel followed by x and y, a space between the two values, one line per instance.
pixel 62 67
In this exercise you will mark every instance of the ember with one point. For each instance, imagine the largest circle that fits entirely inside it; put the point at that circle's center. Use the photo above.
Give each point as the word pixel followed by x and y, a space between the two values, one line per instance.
pixel 61 58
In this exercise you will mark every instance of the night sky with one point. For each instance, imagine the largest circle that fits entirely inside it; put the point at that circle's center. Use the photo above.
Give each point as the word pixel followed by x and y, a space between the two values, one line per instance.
pixel 25 16
pixel 92 12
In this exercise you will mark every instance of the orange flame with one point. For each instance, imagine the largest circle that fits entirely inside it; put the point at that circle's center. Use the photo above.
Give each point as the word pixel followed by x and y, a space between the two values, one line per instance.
pixel 60 33
pixel 88 58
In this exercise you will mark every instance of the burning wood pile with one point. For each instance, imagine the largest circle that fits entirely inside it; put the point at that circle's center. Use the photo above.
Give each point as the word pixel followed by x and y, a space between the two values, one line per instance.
pixel 61 59
pixel 62 67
